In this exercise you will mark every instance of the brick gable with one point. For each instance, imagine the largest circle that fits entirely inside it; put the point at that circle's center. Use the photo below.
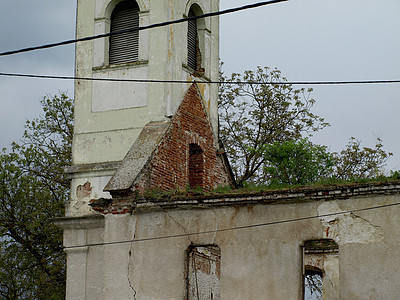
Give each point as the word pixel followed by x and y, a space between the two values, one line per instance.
pixel 174 155
pixel 188 144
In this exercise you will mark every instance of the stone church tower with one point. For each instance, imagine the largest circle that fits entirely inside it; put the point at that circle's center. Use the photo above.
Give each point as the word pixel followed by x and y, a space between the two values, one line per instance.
pixel 110 116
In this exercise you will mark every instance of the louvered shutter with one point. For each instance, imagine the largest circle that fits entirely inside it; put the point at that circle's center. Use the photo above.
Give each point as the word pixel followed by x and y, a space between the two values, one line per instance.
pixel 124 48
pixel 192 42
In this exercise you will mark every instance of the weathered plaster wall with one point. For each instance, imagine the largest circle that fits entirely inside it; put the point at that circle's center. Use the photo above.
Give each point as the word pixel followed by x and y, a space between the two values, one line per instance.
pixel 263 262
pixel 109 116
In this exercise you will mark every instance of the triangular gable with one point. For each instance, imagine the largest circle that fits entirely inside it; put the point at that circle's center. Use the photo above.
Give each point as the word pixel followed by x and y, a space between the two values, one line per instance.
pixel 174 155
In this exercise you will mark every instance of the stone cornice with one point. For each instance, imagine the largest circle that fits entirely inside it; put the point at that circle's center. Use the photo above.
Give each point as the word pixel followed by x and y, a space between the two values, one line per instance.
pixel 140 204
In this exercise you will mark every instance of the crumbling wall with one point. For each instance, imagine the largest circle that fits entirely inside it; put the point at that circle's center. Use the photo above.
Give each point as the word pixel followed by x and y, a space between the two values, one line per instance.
pixel 145 254
pixel 203 273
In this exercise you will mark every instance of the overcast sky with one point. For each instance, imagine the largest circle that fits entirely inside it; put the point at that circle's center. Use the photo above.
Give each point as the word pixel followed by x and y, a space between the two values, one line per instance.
pixel 308 40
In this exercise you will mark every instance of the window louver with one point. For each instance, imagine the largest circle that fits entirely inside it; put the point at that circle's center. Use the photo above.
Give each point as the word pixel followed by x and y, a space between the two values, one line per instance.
pixel 192 42
pixel 124 48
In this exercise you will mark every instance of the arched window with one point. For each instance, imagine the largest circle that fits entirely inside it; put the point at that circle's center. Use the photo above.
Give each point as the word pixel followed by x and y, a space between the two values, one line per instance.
pixel 195 39
pixel 124 48
pixel 313 283
pixel 196 166
pixel 193 42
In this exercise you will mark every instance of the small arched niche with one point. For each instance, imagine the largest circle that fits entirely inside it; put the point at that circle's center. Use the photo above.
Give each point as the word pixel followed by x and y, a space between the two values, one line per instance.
pixel 196 166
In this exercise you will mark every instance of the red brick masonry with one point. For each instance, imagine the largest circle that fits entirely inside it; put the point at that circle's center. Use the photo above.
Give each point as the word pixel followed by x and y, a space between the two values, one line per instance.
pixel 173 166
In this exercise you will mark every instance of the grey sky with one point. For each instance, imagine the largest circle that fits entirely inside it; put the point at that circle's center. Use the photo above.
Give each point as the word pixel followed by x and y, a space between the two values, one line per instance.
pixel 39 22
pixel 308 40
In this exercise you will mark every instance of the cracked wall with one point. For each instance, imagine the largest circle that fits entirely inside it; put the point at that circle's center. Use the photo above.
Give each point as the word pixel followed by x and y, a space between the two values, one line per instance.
pixel 348 227
pixel 262 262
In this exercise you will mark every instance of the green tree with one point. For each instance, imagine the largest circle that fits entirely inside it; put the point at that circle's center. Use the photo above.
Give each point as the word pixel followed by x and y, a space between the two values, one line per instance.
pixel 355 162
pixel 255 115
pixel 261 118
pixel 297 162
pixel 302 162
pixel 33 190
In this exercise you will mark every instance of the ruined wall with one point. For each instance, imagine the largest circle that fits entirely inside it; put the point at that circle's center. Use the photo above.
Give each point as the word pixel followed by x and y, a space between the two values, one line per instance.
pixel 261 262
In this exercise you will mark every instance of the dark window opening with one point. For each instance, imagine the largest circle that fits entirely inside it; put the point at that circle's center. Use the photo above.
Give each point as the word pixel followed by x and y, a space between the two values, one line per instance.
pixel 124 48
pixel 196 166
pixel 313 283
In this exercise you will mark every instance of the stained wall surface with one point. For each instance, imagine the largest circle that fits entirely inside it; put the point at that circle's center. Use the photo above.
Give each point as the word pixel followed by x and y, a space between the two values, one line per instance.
pixel 110 115
pixel 260 262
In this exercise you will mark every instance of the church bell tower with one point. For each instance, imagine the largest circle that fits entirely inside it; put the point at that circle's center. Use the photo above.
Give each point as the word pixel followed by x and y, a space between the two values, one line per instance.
pixel 110 115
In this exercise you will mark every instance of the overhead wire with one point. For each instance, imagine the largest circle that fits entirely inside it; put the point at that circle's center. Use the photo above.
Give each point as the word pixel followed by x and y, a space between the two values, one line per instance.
pixel 206 81
pixel 235 228
pixel 162 24
pixel 156 25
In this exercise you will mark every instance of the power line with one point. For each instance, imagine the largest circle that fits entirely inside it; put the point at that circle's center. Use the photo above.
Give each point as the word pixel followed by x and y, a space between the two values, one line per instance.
pixel 89 38
pixel 236 228
pixel 192 81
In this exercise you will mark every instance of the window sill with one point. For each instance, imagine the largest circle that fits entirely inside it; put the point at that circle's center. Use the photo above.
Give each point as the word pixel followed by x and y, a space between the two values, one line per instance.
pixel 194 73
pixel 136 64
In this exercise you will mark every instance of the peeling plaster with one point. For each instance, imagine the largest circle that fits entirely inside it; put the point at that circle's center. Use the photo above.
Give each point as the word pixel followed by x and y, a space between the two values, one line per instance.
pixel 347 228
pixel 204 277
pixel 331 267
pixel 83 191
pixel 77 205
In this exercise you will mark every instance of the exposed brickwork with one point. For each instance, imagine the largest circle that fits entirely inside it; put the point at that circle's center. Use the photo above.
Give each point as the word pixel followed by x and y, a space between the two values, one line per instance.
pixel 169 167
pixel 109 206
pixel 196 166
pixel 203 274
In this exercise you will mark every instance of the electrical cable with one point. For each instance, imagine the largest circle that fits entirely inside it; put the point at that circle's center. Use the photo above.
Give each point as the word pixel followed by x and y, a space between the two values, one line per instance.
pixel 235 228
pixel 211 82
pixel 162 24
pixel 232 10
